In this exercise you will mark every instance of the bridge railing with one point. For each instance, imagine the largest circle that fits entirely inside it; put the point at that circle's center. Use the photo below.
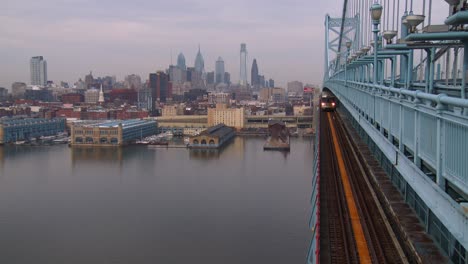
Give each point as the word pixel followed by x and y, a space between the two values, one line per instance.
pixel 313 255
pixel 429 129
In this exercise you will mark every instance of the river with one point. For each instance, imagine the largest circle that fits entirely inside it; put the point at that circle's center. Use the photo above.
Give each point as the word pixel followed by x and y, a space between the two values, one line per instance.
pixel 141 205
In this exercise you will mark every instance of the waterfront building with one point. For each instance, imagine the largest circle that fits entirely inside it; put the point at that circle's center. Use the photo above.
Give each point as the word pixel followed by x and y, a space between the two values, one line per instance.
pixel 18 129
pixel 213 137
pixel 38 70
pixel 278 136
pixel 219 71
pixel 233 117
pixel 111 133
pixel 243 65
pixel 255 81
pixel 181 62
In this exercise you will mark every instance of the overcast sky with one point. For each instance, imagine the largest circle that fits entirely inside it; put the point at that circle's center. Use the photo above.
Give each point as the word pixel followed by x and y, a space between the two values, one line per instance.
pixel 123 37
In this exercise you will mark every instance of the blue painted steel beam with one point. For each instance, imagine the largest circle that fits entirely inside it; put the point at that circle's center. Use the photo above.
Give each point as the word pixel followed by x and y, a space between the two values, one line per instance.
pixel 459 18
pixel 451 35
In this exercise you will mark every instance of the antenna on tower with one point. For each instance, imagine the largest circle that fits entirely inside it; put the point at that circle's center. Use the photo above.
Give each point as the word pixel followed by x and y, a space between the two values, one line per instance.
pixel 171 57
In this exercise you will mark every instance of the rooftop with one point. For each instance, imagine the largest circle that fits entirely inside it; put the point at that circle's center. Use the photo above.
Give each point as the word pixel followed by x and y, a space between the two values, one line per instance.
pixel 114 123
pixel 6 121
pixel 219 130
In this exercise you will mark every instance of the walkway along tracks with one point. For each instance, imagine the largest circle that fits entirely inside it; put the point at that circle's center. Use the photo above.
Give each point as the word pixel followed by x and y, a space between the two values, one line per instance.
pixel 417 244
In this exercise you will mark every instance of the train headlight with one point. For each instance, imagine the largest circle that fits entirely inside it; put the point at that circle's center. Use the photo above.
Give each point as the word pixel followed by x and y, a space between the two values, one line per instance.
pixel 323 104
pixel 333 104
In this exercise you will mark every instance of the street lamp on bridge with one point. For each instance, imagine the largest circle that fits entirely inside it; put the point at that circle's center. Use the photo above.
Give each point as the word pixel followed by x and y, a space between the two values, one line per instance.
pixel 348 47
pixel 376 13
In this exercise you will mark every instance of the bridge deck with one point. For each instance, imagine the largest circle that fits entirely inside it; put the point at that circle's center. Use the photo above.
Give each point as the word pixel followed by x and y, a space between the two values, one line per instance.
pixel 391 229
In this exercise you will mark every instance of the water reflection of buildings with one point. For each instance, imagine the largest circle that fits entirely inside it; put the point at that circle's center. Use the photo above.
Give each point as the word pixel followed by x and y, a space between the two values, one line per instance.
pixel 10 151
pixel 205 154
pixel 96 154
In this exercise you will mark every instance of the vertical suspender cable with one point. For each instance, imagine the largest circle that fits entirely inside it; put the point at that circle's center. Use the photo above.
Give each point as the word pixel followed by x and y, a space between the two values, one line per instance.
pixel 421 53
pixel 430 13
pixel 398 16
pixel 393 16
pixel 388 13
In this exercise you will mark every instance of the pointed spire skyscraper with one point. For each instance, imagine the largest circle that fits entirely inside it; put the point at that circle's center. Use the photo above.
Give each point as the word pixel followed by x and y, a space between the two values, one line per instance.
pixel 199 62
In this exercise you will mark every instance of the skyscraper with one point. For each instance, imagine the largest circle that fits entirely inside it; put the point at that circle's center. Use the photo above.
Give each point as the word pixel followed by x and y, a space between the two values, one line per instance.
pixel 160 87
pixel 181 62
pixel 210 78
pixel 219 70
pixel 133 81
pixel 254 75
pixel 271 83
pixel 243 65
pixel 227 78
pixel 38 68
pixel 199 62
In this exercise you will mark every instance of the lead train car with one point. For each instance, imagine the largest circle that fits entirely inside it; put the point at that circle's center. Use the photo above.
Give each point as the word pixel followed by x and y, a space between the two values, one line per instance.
pixel 327 101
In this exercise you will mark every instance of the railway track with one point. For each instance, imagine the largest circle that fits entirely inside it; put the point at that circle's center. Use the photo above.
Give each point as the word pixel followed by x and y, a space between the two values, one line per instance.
pixel 357 229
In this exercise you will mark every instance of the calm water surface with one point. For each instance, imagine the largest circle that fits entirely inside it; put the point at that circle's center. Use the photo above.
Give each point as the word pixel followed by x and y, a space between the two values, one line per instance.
pixel 140 205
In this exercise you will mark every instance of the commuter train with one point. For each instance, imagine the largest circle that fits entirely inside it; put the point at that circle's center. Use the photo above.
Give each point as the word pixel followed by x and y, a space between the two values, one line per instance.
pixel 328 101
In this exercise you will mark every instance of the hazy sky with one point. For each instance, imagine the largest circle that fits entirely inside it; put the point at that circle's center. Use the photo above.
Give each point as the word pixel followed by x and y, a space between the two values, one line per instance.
pixel 123 37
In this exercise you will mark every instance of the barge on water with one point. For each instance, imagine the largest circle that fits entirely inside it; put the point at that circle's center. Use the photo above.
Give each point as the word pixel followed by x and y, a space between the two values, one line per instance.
pixel 278 138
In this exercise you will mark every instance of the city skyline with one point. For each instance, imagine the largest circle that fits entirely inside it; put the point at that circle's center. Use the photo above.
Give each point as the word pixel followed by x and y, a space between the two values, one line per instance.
pixel 119 38
pixel 78 36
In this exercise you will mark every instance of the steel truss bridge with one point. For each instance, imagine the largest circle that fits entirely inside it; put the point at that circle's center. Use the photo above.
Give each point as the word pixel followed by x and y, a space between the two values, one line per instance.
pixel 399 69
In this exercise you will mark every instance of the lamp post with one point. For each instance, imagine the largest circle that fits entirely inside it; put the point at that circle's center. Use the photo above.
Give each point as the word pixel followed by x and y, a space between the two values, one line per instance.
pixel 348 47
pixel 376 13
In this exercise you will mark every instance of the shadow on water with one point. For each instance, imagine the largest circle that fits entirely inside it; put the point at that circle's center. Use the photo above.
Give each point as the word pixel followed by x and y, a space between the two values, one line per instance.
pixel 205 153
